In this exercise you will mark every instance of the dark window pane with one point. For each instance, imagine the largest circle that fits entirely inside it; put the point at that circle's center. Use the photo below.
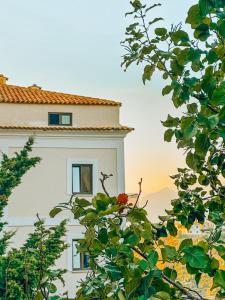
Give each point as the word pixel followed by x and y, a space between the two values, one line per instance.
pixel 85 261
pixel 86 179
pixel 53 119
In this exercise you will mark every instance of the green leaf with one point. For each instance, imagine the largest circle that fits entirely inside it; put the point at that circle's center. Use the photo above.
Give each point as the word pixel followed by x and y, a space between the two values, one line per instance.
pixel 171 273
pixel 176 67
pixel 143 264
pixel 137 215
pixel 55 211
pixel 202 144
pixel 82 202
pixel 52 288
pixel 113 271
pixel 194 17
pixel 219 279
pixel 171 227
pixel 192 108
pixel 198 278
pixel 193 161
pixel 148 72
pixel 103 236
pixel 218 95
pixel 202 32
pixel 222 28
pixel 171 122
pixel 168 135
pixel 101 202
pixel 179 36
pixel 213 121
pixel 203 180
pixel 161 31
pixel 132 239
pixel 153 258
pixel 205 7
pixel 168 253
pixel 166 90
pixel 38 296
pixel 189 127
pixel 195 257
pixel 162 295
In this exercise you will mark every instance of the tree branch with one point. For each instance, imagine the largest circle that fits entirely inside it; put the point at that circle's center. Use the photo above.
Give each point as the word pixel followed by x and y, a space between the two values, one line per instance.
pixel 184 290
pixel 102 180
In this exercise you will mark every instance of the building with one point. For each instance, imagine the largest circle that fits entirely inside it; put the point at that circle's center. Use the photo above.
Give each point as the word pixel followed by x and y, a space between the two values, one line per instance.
pixel 77 138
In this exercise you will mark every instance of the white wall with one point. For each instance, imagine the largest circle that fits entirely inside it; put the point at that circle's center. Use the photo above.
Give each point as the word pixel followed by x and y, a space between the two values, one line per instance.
pixel 46 185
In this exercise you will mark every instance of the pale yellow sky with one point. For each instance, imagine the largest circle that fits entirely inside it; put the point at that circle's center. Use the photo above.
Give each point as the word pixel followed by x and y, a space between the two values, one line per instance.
pixel 74 46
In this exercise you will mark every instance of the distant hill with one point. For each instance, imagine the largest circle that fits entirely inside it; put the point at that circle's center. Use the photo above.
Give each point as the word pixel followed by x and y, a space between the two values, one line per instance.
pixel 158 202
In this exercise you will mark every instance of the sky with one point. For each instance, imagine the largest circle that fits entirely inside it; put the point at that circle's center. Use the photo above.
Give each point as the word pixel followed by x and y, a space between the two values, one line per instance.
pixel 74 46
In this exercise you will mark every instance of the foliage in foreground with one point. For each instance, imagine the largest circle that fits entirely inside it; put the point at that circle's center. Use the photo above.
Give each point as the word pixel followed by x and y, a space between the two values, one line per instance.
pixel 193 66
pixel 27 273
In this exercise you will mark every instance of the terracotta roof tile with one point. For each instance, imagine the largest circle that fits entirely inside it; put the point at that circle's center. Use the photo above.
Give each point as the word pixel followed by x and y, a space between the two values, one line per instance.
pixel 65 128
pixel 30 95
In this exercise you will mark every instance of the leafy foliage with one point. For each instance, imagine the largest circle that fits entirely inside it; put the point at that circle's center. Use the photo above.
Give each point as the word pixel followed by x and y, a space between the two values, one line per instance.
pixel 124 247
pixel 28 272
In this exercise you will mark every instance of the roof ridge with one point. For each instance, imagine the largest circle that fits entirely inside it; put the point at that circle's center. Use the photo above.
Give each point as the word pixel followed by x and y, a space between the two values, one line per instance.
pixel 67 128
pixel 36 92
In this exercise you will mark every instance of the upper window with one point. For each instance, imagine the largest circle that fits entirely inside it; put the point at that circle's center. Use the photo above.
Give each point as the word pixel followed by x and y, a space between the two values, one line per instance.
pixel 82 179
pixel 60 119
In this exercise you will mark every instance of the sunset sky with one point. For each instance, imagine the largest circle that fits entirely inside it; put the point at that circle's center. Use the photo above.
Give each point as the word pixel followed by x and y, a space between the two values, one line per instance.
pixel 74 46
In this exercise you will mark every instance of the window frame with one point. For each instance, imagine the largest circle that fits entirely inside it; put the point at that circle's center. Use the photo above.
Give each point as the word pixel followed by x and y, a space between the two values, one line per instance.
pixel 80 165
pixel 81 255
pixel 60 118
pixel 76 161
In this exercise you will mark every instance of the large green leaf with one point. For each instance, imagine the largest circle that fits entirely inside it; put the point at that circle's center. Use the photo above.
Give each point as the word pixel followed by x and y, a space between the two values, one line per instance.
pixel 195 256
pixel 148 72
pixel 82 202
pixel 153 258
pixel 160 31
pixel 171 227
pixel 194 17
pixel 168 135
pixel 218 97
pixel 55 211
pixel 179 36
pixel 222 28
pixel 166 90
pixel 202 144
pixel 103 236
pixel 219 279
pixel 205 6
pixel 193 161
pixel 168 253
pixel 171 122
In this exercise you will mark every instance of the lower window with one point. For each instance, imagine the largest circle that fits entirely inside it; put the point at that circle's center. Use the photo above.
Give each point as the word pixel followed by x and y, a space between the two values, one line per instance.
pixel 79 260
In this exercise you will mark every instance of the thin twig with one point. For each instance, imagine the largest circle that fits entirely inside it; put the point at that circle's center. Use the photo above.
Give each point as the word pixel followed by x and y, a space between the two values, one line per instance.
pixel 146 203
pixel 102 180
pixel 139 194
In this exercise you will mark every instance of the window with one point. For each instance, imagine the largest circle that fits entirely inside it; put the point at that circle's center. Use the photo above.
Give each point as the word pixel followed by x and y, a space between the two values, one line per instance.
pixel 82 179
pixel 79 260
pixel 61 119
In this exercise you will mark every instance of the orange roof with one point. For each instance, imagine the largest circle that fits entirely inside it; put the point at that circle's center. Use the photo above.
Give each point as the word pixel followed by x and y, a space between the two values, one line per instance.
pixel 35 95
pixel 66 128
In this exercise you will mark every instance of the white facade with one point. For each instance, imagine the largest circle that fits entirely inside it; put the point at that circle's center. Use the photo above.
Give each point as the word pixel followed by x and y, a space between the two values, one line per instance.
pixel 50 182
